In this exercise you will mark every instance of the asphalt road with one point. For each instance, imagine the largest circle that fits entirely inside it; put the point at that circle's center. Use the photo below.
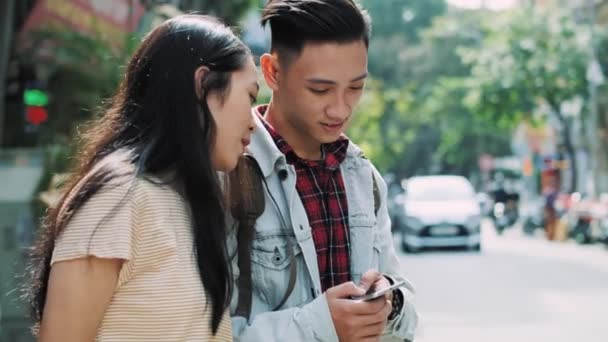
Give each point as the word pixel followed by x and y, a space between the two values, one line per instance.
pixel 518 288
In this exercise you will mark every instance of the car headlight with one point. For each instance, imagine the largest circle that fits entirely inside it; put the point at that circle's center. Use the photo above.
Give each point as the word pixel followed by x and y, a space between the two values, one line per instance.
pixel 413 223
pixel 499 209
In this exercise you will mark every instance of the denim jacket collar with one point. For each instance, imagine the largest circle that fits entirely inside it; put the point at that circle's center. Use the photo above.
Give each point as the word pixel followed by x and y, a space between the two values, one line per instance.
pixel 268 155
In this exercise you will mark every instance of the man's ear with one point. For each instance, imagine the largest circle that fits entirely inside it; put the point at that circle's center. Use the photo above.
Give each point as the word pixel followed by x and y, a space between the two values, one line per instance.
pixel 199 76
pixel 269 63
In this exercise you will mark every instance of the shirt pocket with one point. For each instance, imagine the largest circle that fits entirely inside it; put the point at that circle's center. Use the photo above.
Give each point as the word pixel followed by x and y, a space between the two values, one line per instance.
pixel 271 263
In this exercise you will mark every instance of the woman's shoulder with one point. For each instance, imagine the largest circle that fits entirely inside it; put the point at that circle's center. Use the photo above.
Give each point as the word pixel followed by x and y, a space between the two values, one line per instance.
pixel 148 189
pixel 125 194
pixel 119 213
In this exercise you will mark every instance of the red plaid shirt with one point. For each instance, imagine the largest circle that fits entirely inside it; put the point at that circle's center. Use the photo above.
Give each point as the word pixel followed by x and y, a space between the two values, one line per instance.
pixel 321 189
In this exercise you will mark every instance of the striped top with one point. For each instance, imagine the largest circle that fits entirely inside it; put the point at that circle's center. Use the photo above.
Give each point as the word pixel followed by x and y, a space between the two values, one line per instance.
pixel 159 295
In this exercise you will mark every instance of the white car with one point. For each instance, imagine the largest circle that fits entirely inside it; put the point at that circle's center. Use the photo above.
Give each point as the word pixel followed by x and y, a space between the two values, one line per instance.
pixel 439 211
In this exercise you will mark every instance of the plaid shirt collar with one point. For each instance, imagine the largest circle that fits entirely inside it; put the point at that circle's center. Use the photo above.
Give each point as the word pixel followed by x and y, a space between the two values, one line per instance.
pixel 333 154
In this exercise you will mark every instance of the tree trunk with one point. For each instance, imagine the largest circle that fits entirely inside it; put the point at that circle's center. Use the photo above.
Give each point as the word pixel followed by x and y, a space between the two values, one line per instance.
pixel 570 153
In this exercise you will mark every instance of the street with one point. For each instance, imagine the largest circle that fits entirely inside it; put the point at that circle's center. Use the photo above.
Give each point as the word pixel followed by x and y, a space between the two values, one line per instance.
pixel 518 288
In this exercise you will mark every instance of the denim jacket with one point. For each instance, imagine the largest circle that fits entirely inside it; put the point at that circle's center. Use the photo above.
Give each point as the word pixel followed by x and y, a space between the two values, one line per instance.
pixel 284 224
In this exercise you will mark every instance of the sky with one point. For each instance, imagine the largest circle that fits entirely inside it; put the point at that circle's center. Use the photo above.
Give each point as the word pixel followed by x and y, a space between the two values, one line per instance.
pixel 490 4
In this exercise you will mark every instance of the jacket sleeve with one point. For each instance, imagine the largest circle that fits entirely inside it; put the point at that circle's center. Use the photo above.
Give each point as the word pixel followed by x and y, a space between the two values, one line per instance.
pixel 404 325
pixel 311 322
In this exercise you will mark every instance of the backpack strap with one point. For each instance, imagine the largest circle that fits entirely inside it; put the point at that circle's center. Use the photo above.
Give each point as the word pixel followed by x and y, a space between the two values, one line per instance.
pixel 376 190
pixel 247 204
pixel 376 195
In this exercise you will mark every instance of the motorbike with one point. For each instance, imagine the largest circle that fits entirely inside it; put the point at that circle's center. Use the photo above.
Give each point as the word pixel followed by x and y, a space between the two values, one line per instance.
pixel 590 218
pixel 505 215
pixel 533 217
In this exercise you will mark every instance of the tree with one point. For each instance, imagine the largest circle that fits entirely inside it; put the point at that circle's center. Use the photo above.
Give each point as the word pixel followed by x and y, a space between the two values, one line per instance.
pixel 402 17
pixel 396 25
pixel 81 71
pixel 526 62
pixel 418 123
pixel 79 74
pixel 385 123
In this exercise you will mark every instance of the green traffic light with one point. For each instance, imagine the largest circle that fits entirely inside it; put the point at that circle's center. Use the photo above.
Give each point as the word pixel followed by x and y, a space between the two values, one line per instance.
pixel 35 97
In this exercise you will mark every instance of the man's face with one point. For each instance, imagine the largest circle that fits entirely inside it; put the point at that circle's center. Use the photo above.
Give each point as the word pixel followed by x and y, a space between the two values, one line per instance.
pixel 318 90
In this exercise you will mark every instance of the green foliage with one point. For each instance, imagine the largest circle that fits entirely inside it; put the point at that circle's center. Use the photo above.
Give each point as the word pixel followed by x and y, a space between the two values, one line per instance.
pixel 526 61
pixel 396 27
pixel 464 80
pixel 414 121
pixel 402 17
pixel 80 73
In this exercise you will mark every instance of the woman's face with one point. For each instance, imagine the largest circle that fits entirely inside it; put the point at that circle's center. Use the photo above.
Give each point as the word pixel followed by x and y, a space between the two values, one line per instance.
pixel 233 117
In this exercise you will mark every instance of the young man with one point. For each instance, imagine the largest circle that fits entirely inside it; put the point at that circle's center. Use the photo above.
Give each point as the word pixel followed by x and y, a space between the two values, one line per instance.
pixel 319 239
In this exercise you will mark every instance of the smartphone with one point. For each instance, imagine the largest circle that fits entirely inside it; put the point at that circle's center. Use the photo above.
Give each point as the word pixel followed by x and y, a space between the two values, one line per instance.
pixel 371 294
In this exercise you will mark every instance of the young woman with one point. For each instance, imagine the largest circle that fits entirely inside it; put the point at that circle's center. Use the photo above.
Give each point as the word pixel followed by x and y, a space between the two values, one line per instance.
pixel 135 249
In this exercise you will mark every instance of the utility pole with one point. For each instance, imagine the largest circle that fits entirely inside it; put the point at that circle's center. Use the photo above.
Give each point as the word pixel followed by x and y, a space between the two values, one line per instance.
pixel 595 78
pixel 7 16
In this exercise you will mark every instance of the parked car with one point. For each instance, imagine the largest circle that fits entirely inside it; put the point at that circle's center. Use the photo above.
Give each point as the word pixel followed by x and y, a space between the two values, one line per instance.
pixel 440 211
pixel 395 205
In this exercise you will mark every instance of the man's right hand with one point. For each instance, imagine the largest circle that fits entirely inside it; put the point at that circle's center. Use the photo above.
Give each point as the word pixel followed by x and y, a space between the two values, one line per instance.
pixel 356 320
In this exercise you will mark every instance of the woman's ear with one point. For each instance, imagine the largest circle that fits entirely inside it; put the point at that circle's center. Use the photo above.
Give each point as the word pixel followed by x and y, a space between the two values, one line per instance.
pixel 199 76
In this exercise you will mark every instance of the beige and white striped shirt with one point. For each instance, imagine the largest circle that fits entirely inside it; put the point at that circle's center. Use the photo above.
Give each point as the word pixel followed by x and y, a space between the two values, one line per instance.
pixel 159 295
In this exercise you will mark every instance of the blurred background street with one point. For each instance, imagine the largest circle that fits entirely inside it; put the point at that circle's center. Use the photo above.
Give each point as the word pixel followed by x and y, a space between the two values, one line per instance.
pixel 519 288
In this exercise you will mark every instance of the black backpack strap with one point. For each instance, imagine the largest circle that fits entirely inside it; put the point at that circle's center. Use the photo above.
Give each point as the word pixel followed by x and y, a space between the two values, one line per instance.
pixel 376 190
pixel 247 204
pixel 244 239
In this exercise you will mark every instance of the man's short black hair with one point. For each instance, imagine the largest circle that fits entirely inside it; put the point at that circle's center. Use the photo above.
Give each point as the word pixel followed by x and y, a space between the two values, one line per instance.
pixel 294 23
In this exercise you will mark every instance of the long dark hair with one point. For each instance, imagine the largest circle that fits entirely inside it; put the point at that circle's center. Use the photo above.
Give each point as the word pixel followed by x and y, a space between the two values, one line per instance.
pixel 155 125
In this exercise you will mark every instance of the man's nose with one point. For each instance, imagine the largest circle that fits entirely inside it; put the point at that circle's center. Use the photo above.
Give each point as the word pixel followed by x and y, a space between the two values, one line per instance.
pixel 339 109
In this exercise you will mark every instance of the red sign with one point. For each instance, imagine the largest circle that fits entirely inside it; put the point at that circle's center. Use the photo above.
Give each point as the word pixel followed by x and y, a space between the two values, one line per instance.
pixel 111 19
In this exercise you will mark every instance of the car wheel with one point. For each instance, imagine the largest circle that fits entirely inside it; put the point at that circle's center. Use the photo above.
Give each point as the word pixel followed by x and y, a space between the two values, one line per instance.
pixel 475 248
pixel 396 225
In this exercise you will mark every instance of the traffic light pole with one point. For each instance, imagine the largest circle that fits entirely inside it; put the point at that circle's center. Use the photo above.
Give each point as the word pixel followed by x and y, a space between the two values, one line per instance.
pixel 594 79
pixel 7 16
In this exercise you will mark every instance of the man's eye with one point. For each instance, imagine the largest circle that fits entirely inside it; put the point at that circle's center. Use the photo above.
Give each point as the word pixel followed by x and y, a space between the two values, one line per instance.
pixel 356 88
pixel 253 99
pixel 318 91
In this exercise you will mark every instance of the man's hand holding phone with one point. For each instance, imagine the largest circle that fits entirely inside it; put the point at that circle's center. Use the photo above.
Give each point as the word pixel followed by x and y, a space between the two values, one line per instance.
pixel 373 293
pixel 360 320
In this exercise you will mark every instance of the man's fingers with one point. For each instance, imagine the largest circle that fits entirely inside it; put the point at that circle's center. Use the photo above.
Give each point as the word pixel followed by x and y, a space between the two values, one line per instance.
pixel 346 290
pixel 380 315
pixel 366 309
pixel 372 332
pixel 369 278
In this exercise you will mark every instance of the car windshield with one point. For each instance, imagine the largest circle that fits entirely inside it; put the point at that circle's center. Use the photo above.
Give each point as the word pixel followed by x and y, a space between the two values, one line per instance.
pixel 439 190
